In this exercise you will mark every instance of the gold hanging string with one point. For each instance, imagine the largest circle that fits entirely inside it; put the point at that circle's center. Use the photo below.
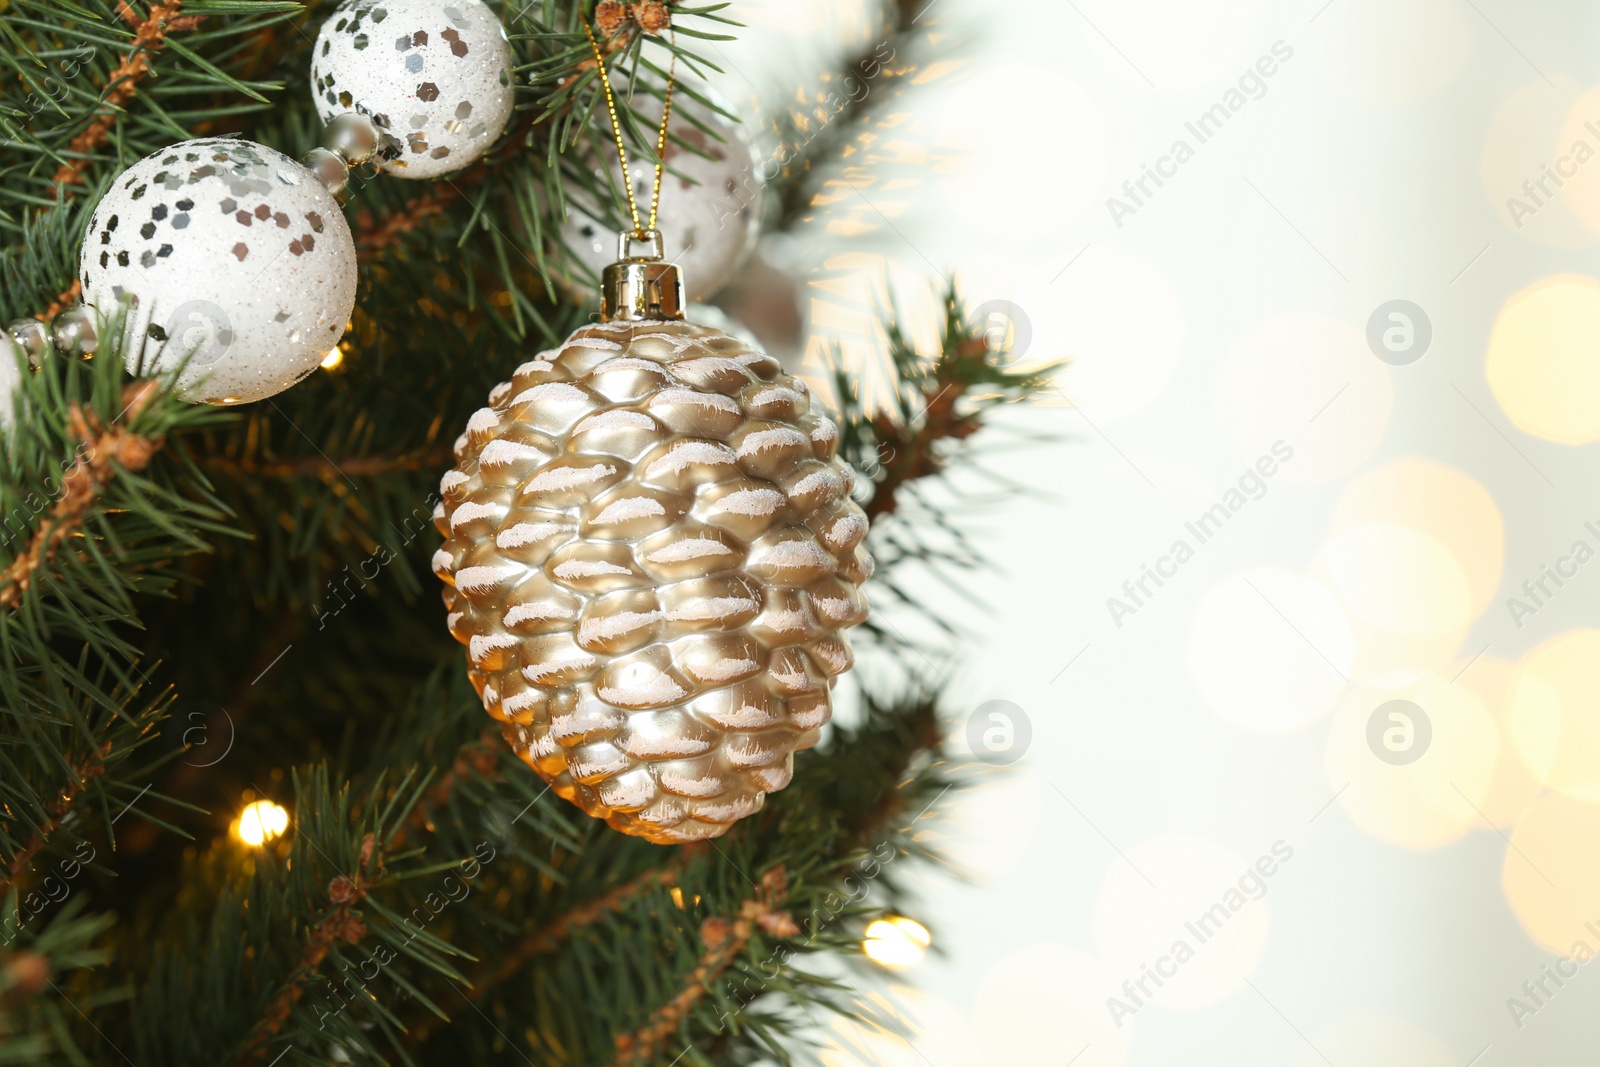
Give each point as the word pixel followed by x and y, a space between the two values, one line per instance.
pixel 616 129
pixel 661 142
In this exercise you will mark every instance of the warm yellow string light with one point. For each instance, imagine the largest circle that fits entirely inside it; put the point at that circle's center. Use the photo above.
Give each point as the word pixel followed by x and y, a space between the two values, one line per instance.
pixel 896 941
pixel 616 129
pixel 260 822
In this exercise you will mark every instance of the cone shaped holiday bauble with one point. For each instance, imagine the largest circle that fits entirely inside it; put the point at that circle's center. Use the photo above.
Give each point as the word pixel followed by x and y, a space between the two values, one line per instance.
pixel 651 556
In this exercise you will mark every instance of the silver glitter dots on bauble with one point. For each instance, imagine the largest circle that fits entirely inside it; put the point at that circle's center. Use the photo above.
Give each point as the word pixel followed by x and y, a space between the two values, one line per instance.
pixel 241 264
pixel 435 78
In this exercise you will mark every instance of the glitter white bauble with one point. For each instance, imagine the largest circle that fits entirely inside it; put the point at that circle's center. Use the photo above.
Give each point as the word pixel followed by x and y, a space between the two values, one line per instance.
pixel 710 210
pixel 12 363
pixel 434 77
pixel 241 261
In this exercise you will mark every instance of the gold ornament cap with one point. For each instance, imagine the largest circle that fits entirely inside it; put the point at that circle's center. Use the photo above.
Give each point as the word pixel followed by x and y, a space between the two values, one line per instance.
pixel 641 288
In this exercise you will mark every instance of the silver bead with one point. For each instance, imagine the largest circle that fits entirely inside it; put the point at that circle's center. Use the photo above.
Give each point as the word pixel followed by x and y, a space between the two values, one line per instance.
pixel 74 331
pixel 354 137
pixel 331 171
pixel 31 336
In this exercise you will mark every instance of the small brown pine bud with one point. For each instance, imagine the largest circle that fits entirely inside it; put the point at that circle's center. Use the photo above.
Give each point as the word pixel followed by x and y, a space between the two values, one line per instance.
pixel 775 883
pixel 341 890
pixel 79 424
pixel 134 452
pixel 610 16
pixel 27 972
pixel 137 397
pixel 714 932
pixel 484 760
pixel 779 924
pixel 352 929
pixel 652 16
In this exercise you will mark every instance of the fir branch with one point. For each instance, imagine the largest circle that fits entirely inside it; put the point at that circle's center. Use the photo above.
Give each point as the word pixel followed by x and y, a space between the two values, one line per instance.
pixel 548 939
pixel 588 914
pixel 150 35
pixel 63 300
pixel 914 451
pixel 340 922
pixel 247 985
pixel 82 772
pixel 39 268
pixel 725 942
pixel 476 761
pixel 35 1029
pixel 376 233
pixel 936 406
pixel 266 943
pixel 324 469
pixel 105 450
pixel 90 84
pixel 822 132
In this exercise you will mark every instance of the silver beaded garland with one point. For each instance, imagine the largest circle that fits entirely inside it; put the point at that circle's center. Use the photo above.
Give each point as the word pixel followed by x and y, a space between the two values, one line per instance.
pixel 74 331
pixel 32 337
pixel 330 169
pixel 355 138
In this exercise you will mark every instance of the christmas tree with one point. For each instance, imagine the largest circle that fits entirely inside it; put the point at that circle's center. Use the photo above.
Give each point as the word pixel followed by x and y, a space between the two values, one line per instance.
pixel 251 808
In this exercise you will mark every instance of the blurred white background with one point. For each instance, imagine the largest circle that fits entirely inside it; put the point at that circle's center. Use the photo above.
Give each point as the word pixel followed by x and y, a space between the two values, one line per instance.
pixel 1386 898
